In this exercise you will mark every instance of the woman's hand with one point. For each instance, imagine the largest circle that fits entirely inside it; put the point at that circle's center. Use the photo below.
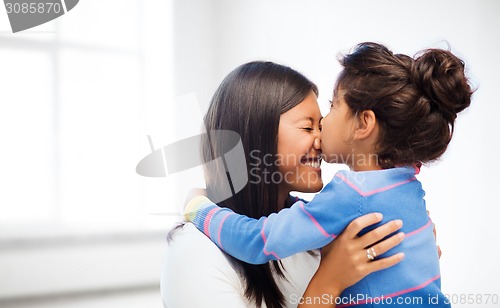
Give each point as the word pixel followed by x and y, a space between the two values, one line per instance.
pixel 435 236
pixel 345 261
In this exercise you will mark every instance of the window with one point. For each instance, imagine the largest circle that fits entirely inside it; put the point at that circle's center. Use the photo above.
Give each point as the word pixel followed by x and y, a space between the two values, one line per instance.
pixel 79 95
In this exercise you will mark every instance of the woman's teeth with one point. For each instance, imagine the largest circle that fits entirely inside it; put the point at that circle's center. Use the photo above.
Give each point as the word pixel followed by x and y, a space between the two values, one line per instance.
pixel 313 163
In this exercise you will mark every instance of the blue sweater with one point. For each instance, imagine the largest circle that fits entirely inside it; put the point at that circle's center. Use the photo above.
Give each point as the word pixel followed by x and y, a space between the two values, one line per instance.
pixel 395 193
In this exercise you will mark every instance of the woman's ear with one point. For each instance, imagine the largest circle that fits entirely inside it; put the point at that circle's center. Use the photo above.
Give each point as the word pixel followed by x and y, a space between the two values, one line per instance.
pixel 367 122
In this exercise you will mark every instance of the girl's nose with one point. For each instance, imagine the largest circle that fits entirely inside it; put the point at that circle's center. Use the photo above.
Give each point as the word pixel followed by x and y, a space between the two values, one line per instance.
pixel 317 143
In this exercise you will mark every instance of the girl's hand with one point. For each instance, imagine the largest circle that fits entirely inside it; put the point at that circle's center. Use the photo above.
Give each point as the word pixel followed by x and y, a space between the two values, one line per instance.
pixel 194 192
pixel 345 261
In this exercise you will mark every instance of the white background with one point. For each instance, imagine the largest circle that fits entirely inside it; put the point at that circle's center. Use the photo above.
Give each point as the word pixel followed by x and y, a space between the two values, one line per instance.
pixel 79 95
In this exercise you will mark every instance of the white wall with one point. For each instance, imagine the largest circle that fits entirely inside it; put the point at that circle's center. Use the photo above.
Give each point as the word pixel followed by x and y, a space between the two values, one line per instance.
pixel 307 35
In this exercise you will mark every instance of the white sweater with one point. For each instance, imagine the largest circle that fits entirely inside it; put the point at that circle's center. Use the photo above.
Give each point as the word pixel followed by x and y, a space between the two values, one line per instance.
pixel 196 274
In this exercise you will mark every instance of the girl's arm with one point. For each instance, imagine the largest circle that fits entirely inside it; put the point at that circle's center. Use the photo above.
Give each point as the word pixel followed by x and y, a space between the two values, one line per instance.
pixel 302 227
pixel 344 262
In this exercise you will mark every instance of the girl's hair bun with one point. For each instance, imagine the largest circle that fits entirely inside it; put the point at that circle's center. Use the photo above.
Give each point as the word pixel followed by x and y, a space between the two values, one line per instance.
pixel 440 75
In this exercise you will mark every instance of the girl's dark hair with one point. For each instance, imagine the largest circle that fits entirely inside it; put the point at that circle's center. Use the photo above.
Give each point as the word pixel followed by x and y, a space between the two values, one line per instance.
pixel 415 100
pixel 250 101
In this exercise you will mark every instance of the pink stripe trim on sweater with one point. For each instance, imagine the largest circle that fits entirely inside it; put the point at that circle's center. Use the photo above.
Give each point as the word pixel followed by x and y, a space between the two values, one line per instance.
pixel 263 235
pixel 365 194
pixel 419 229
pixel 316 223
pixel 220 229
pixel 423 285
pixel 206 222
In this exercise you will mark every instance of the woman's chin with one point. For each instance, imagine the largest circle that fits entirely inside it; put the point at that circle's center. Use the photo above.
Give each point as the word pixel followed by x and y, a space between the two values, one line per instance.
pixel 310 187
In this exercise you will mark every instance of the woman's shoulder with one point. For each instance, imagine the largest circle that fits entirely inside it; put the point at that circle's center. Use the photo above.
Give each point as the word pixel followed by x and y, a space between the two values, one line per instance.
pixel 189 248
pixel 195 271
pixel 186 238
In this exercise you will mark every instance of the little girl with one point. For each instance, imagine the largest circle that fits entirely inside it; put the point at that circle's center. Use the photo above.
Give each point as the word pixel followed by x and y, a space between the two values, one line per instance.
pixel 390 113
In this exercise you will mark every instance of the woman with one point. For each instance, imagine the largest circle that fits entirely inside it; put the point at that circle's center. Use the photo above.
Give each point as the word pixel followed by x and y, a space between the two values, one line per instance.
pixel 274 109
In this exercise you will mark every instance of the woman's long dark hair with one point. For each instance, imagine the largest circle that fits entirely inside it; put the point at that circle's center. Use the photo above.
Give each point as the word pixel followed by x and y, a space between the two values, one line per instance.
pixel 250 101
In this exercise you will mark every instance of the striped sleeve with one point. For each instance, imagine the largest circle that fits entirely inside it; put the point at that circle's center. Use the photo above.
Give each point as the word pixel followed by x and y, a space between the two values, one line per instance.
pixel 302 227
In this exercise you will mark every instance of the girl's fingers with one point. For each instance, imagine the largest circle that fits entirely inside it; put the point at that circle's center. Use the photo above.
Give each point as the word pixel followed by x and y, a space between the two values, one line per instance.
pixel 381 232
pixel 387 244
pixel 358 224
pixel 385 262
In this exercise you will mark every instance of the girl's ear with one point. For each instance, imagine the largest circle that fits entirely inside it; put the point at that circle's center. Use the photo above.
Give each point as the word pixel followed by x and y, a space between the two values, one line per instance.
pixel 367 121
